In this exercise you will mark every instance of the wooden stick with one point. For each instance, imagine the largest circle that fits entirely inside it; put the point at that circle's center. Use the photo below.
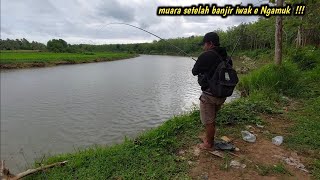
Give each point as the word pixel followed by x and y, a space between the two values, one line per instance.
pixel 234 154
pixel 5 173
pixel 238 156
pixel 8 176
pixel 216 153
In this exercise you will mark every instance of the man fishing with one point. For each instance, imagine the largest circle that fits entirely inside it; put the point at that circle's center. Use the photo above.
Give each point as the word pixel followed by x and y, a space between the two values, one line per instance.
pixel 205 67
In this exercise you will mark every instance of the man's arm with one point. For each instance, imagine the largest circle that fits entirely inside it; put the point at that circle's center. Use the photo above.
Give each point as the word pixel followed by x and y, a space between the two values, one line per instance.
pixel 196 70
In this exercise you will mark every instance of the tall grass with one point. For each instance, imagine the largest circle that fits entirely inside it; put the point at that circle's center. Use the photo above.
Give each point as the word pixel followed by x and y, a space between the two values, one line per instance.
pixel 306 58
pixel 273 79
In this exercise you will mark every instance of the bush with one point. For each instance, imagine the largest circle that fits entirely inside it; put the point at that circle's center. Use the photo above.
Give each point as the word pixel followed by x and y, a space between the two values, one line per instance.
pixel 57 45
pixel 273 79
pixel 306 58
pixel 257 54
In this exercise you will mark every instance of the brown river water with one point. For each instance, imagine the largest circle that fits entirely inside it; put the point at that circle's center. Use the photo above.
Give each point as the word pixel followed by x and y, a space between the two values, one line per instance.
pixel 45 111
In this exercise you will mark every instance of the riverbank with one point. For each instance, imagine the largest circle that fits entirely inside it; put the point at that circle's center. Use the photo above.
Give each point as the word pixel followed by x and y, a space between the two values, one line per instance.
pixel 29 59
pixel 170 152
pixel 285 100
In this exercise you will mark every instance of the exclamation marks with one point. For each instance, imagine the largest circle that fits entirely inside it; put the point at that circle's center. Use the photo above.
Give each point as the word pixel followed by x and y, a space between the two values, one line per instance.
pixel 300 9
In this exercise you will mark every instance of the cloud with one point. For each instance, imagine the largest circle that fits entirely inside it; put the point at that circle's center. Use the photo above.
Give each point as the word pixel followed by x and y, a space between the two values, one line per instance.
pixel 113 9
pixel 82 21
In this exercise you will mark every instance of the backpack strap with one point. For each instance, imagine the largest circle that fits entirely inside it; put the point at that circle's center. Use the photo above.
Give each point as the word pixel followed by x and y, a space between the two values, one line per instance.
pixel 215 52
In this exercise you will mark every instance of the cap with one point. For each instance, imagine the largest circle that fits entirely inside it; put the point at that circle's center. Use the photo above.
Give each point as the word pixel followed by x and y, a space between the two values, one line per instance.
pixel 211 36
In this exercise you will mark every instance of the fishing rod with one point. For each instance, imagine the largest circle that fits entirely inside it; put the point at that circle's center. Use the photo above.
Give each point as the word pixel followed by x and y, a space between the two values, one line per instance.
pixel 234 48
pixel 155 36
pixel 171 43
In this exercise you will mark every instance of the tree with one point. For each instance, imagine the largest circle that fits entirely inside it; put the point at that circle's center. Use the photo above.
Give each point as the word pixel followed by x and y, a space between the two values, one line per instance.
pixel 57 45
pixel 278 37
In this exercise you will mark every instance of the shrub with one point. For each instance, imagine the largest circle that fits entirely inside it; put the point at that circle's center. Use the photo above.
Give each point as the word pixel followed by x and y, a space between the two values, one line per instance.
pixel 271 78
pixel 306 58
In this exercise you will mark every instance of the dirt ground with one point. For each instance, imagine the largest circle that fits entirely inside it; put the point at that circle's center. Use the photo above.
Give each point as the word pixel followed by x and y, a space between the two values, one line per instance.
pixel 260 158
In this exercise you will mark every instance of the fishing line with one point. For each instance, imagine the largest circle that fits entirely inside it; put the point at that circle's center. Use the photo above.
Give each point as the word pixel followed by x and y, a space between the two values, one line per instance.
pixel 155 36
pixel 171 43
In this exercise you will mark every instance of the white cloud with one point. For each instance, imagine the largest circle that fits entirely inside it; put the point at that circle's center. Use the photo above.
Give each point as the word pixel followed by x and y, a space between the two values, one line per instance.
pixel 82 21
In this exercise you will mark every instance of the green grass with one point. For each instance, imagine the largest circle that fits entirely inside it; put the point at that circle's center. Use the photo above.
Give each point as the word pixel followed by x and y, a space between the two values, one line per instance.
pixel 246 110
pixel 307 130
pixel 297 78
pixel 316 169
pixel 306 58
pixel 273 79
pixel 20 57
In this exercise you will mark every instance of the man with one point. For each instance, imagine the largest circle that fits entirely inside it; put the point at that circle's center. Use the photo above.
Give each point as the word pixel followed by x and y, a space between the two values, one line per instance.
pixel 209 105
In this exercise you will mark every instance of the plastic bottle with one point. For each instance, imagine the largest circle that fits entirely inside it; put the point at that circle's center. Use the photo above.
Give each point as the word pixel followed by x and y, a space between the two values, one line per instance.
pixel 277 140
pixel 249 137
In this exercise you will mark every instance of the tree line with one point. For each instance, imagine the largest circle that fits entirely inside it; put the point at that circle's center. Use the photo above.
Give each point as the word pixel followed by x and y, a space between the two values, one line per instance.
pixel 20 44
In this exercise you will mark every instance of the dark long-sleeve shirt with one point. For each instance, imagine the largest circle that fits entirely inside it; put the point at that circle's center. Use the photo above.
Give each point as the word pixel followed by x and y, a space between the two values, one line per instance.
pixel 207 62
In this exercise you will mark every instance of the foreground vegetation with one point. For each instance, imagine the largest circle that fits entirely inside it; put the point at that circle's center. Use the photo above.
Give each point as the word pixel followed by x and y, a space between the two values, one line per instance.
pixel 23 59
pixel 154 154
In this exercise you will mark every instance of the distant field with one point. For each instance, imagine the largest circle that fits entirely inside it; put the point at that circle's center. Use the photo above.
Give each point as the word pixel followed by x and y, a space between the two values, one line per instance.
pixel 22 59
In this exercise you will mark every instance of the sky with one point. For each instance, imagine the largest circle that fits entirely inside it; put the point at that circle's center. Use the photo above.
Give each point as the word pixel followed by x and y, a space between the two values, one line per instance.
pixel 88 22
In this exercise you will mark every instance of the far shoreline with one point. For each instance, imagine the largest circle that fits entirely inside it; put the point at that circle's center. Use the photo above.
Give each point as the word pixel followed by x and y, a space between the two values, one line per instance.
pixel 48 62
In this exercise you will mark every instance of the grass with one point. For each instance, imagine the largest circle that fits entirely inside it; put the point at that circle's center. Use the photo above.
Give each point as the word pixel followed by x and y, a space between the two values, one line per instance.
pixel 306 58
pixel 297 78
pixel 265 170
pixel 245 111
pixel 27 58
pixel 226 165
pixel 306 133
pixel 307 129
pixel 273 79
pixel 316 169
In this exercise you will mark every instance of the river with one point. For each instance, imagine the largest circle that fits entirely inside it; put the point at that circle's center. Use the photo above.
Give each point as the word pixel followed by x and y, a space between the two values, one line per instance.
pixel 45 111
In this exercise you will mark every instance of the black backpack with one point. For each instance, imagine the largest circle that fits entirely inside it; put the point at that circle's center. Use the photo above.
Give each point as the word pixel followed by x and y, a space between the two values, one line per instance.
pixel 224 79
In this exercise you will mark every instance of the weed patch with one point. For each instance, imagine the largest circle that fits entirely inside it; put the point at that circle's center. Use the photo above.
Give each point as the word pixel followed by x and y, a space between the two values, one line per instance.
pixel 266 170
